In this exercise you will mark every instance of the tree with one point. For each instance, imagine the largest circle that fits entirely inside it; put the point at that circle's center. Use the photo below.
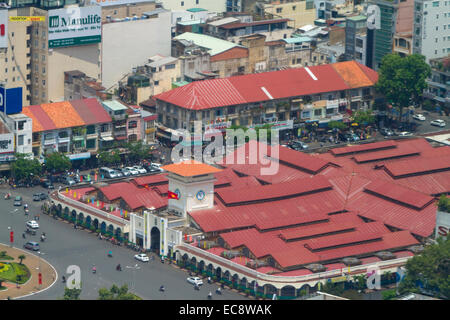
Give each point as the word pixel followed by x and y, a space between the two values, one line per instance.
pixel 24 168
pixel 402 79
pixel 116 293
pixel 444 203
pixel 57 162
pixel 364 117
pixel 337 125
pixel 71 294
pixel 138 151
pixel 429 270
pixel 21 258
pixel 110 157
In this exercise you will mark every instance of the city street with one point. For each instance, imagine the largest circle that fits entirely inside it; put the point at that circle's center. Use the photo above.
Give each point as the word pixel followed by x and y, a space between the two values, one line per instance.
pixel 66 246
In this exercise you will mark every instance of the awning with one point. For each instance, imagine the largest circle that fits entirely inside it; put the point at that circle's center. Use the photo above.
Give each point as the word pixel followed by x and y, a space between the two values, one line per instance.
pixel 107 138
pixel 79 156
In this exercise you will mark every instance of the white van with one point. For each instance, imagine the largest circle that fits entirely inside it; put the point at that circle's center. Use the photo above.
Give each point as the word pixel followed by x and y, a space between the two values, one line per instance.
pixel 107 172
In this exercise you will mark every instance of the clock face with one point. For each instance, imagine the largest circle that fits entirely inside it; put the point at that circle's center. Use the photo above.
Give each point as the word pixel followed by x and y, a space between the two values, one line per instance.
pixel 200 195
pixel 177 191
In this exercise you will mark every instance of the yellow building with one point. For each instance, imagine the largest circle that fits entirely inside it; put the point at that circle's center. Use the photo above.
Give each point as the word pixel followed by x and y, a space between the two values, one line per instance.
pixel 300 12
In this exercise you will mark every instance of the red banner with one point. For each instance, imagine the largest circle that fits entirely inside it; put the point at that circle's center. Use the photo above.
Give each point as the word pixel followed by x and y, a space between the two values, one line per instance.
pixel 11 236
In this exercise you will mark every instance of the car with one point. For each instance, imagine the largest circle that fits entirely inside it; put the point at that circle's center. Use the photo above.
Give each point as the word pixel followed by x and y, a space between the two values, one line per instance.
pixel 405 134
pixel 354 137
pixel 32 245
pixel 125 172
pixel 419 117
pixel 298 145
pixel 32 224
pixel 438 122
pixel 37 197
pixel 18 201
pixel 386 132
pixel 195 281
pixel 68 180
pixel 47 184
pixel 140 169
pixel 118 173
pixel 142 257
pixel 132 170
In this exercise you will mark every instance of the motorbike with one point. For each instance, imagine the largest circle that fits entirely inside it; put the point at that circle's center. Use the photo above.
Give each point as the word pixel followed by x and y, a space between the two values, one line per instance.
pixel 7 196
pixel 63 279
pixel 162 289
pixel 26 211
pixel 210 296
pixel 23 235
pixel 119 268
pixel 32 232
pixel 110 254
pixel 218 291
pixel 42 238
pixel 196 288
pixel 94 270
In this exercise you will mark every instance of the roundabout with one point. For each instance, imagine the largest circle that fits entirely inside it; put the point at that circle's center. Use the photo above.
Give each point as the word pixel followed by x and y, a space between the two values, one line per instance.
pixel 19 273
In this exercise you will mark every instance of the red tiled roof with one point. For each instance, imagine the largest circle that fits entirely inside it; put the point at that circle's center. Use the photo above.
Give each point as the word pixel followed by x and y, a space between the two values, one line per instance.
pixel 252 88
pixel 400 151
pixel 364 147
pixel 418 166
pixel 278 191
pixel 299 160
pixel 401 194
pixel 66 114
pixel 151 180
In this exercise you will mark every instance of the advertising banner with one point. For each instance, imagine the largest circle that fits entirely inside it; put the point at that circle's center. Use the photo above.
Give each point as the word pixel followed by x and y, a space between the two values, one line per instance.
pixel 11 100
pixel 6 143
pixel 3 28
pixel 74 26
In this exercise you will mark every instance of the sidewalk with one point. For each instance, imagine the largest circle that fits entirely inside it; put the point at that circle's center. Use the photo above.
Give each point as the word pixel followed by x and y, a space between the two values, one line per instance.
pixel 32 285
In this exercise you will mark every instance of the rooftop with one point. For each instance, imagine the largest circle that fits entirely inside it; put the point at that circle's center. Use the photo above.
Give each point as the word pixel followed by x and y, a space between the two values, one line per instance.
pixel 114 105
pixel 214 45
pixel 266 86
pixel 190 168
pixel 59 115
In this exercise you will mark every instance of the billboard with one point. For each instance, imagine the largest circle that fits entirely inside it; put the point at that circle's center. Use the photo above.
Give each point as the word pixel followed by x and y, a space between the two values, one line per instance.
pixel 11 99
pixel 6 143
pixel 3 28
pixel 74 26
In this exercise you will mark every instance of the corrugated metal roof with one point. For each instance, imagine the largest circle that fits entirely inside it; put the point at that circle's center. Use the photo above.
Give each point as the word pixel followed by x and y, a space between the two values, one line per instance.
pixel 363 147
pixel 215 45
pixel 277 191
pixel 114 105
pixel 395 192
pixel 248 88
pixel 418 166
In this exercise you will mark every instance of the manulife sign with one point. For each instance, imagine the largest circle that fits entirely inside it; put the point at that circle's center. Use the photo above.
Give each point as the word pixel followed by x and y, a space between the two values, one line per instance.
pixel 74 26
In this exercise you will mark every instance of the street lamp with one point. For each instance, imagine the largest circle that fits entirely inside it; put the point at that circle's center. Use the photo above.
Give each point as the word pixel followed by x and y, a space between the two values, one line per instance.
pixel 136 267
pixel 39 267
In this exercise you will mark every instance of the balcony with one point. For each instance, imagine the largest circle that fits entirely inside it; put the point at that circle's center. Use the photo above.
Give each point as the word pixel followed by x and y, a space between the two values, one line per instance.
pixel 63 140
pixel 356 98
pixel 333 103
pixel 437 84
pixel 49 141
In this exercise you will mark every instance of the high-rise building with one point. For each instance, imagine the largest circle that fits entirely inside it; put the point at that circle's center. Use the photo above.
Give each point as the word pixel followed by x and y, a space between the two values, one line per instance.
pixel 431 34
pixel 355 38
pixel 383 37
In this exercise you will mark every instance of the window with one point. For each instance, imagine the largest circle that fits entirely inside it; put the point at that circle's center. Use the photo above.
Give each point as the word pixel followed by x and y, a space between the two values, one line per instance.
pixel 182 3
pixel 293 8
pixel 63 134
pixel 90 143
pixel 436 4
pixel 279 10
pixel 104 128
pixel 21 125
pixel 318 112
pixel 20 140
pixel 132 124
pixel 197 1
pixel 12 34
pixel 156 83
pixel 170 66
pixel 43 82
pixel 43 58
pixel 63 149
pixel 90 129
pixel 43 70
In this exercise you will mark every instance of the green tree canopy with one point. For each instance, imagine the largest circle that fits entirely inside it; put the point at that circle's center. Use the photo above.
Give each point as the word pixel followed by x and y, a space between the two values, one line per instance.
pixel 364 117
pixel 431 268
pixel 110 157
pixel 337 125
pixel 71 294
pixel 116 293
pixel 444 203
pixel 57 162
pixel 138 151
pixel 23 167
pixel 402 79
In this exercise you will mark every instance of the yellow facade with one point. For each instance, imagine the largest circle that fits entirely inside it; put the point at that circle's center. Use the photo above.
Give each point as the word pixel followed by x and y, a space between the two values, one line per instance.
pixel 296 11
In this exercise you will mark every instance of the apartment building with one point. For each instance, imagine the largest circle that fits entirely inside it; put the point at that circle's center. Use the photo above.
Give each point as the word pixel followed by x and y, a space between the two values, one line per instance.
pixel 71 127
pixel 355 38
pixel 301 95
pixel 404 29
pixel 126 121
pixel 155 77
pixel 438 90
pixel 384 37
pixel 431 34
pixel 300 13
pixel 15 52
pixel 218 6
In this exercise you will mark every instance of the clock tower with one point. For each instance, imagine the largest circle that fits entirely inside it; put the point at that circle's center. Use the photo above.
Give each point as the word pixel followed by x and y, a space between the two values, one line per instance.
pixel 193 184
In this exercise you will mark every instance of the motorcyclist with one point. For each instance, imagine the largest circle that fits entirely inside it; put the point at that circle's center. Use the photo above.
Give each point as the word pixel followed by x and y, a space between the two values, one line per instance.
pixel 219 291
pixel 63 279
pixel 23 235
pixel 109 253
pixel 162 288
pixel 25 206
pixel 196 287
pixel 42 238
pixel 209 295
pixel 119 268
pixel 94 269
